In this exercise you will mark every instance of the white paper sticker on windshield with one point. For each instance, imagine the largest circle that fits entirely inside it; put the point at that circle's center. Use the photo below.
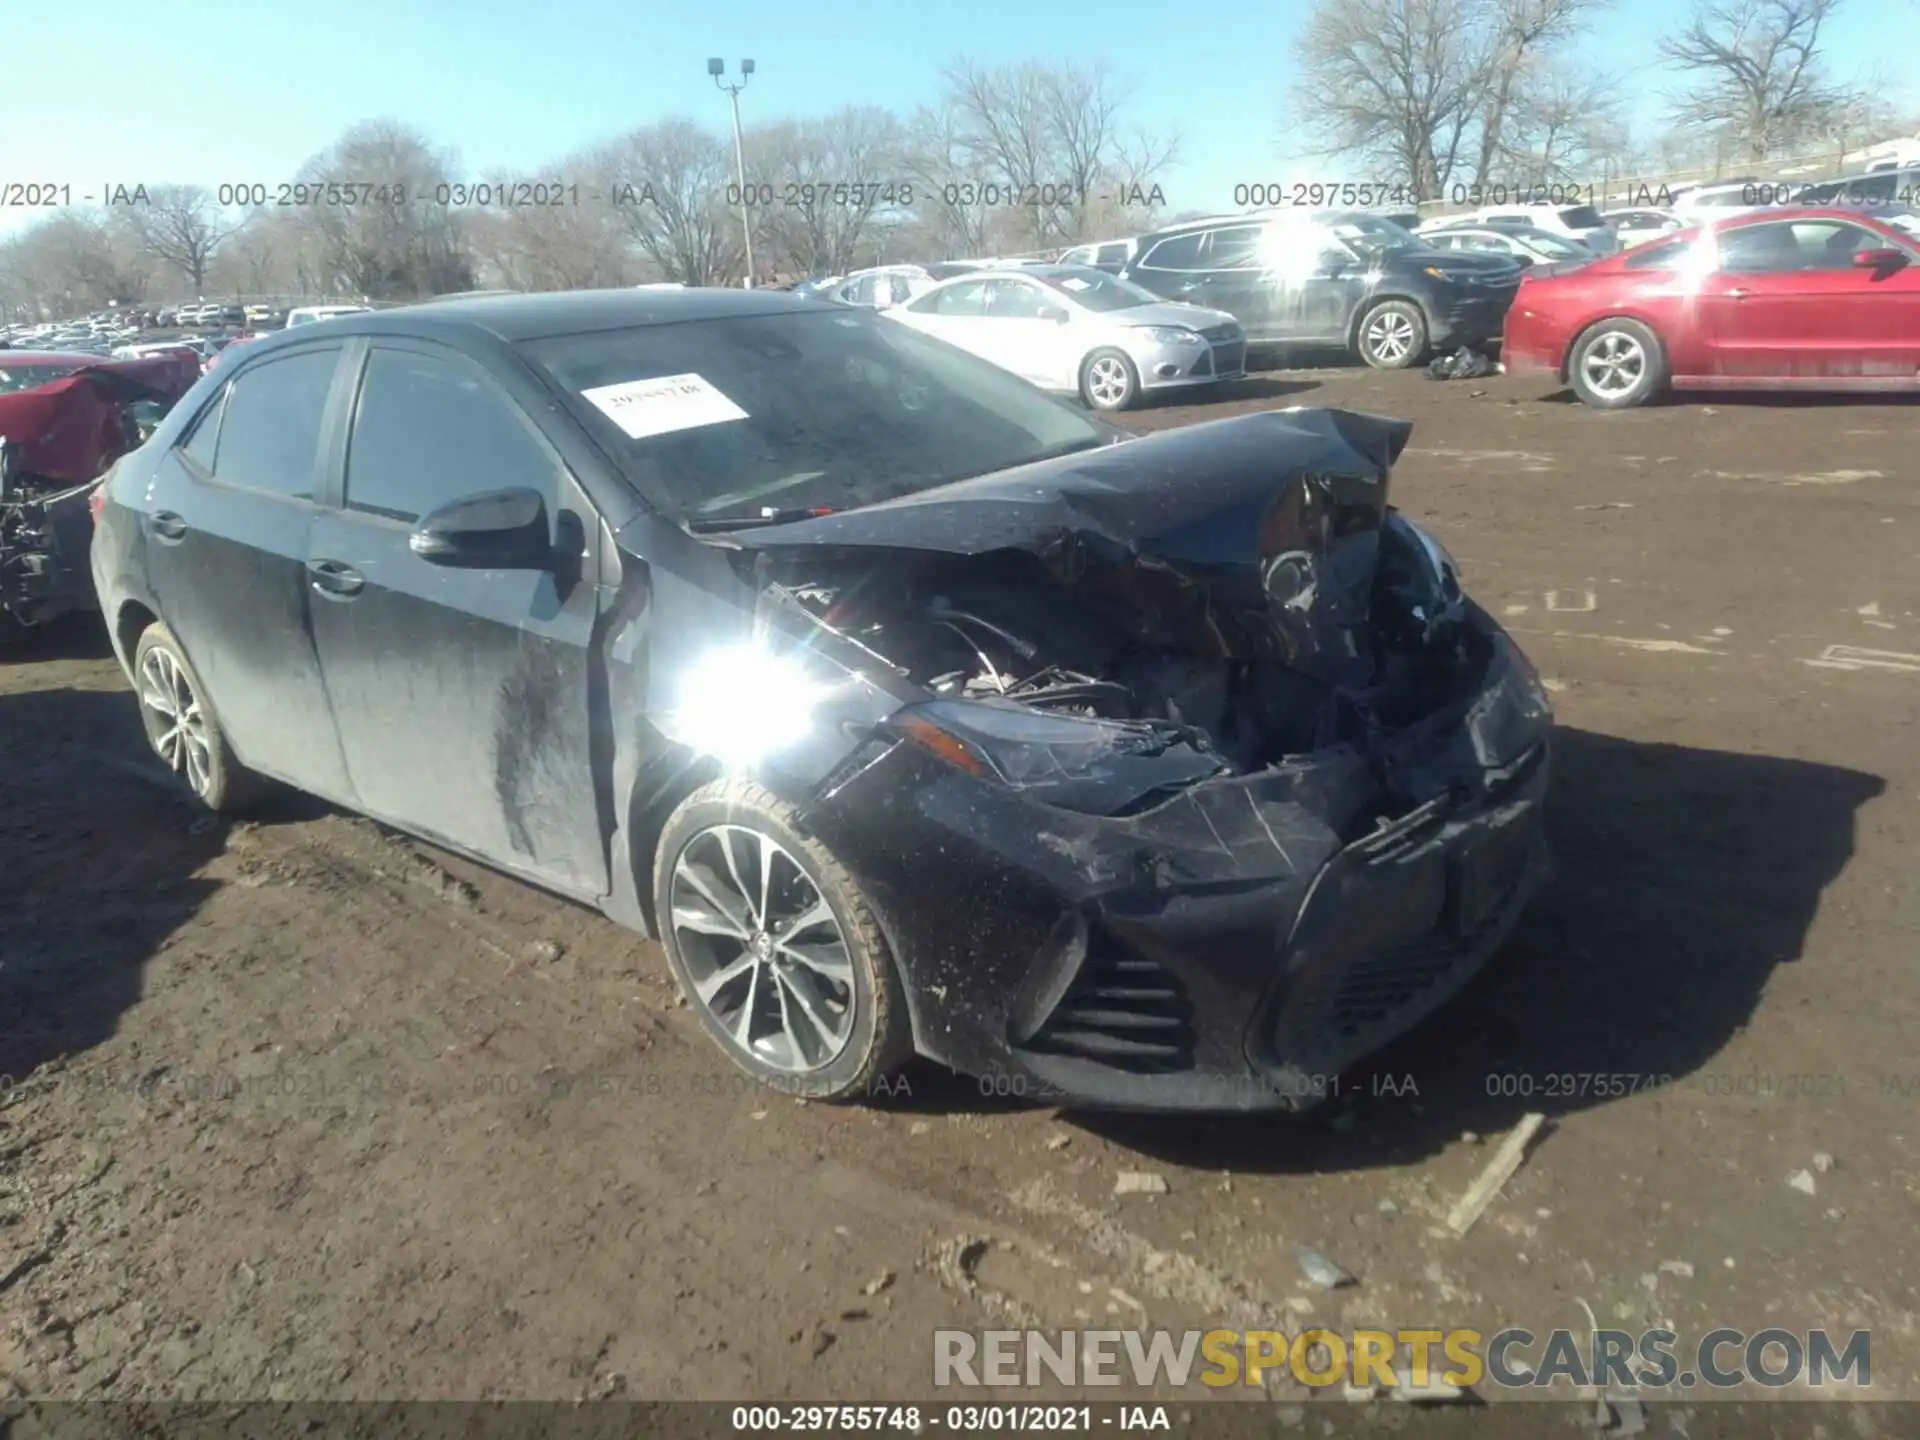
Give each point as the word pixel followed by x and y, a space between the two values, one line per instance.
pixel 1074 282
pixel 662 405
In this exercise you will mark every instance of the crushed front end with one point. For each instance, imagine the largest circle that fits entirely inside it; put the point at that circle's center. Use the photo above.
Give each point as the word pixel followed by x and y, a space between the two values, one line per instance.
pixel 1216 781
pixel 56 441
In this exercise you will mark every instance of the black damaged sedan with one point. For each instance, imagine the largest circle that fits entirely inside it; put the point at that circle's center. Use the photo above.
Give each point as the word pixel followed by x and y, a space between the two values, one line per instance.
pixel 911 709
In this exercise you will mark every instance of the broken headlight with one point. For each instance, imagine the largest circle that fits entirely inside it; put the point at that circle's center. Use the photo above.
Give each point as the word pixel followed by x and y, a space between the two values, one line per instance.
pixel 1418 601
pixel 1076 762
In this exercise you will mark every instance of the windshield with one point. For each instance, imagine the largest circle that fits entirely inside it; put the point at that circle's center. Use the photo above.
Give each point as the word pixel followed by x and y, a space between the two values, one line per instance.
pixel 29 377
pixel 1372 233
pixel 1097 290
pixel 798 410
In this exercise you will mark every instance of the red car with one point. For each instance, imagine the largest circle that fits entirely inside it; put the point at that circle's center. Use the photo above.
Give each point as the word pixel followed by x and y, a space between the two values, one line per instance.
pixel 1781 299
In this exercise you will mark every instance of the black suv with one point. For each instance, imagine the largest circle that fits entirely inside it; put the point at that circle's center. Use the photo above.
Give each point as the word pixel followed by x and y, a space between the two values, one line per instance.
pixel 1335 278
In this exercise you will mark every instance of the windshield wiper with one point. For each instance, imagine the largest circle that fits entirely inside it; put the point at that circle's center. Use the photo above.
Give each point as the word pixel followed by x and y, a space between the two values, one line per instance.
pixel 768 515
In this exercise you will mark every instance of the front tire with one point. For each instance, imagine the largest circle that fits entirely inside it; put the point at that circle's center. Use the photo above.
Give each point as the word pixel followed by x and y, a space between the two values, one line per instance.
pixel 1393 335
pixel 1617 364
pixel 775 947
pixel 182 729
pixel 1109 381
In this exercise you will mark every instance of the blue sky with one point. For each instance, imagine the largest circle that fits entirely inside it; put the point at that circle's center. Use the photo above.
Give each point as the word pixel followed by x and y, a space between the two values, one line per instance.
pixel 247 89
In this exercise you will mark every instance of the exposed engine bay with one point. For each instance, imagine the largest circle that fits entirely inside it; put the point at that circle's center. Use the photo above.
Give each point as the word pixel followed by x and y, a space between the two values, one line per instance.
pixel 1228 661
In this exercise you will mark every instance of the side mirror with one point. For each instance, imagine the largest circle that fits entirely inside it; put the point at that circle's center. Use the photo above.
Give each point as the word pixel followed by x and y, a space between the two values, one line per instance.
pixel 497 530
pixel 1879 259
pixel 1055 313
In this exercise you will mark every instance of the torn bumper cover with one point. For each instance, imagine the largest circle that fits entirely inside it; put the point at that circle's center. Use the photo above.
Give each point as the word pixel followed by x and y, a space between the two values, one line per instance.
pixel 1218 899
pixel 1235 947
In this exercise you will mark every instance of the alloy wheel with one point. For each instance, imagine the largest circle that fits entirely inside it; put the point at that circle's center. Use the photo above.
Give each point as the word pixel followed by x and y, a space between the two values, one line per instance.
pixel 175 724
pixel 762 949
pixel 1614 364
pixel 1390 336
pixel 1107 381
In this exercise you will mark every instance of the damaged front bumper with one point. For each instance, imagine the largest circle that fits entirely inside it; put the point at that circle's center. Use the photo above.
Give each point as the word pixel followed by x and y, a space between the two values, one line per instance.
pixel 1233 948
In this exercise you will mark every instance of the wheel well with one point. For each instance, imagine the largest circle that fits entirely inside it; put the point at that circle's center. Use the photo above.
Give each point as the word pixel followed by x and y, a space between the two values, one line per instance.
pixel 657 793
pixel 1373 303
pixel 1580 335
pixel 129 625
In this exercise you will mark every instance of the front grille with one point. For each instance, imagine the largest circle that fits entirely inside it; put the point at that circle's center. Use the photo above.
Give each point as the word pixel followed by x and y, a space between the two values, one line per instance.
pixel 1217 333
pixel 1122 1010
pixel 1230 359
pixel 1340 1009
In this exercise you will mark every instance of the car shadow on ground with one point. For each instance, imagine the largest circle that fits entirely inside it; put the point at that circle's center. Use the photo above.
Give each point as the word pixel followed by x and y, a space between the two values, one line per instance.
pixel 80 635
pixel 100 849
pixel 1233 392
pixel 1684 876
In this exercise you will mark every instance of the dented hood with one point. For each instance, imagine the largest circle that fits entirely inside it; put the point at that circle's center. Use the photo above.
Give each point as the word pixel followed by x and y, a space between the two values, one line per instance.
pixel 1202 495
pixel 1268 526
pixel 71 429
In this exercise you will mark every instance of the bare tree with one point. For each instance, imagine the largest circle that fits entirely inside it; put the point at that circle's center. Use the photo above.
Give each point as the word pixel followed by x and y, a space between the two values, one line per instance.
pixel 1564 125
pixel 1753 67
pixel 180 226
pixel 829 179
pixel 566 236
pixel 1050 139
pixel 948 203
pixel 668 192
pixel 1394 82
pixel 1523 34
pixel 396 233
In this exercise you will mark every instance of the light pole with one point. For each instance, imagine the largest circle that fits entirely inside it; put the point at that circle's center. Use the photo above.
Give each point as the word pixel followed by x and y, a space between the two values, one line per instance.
pixel 718 70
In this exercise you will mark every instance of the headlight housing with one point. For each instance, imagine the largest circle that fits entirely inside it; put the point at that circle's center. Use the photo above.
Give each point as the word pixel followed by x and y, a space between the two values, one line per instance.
pixel 1170 335
pixel 1075 762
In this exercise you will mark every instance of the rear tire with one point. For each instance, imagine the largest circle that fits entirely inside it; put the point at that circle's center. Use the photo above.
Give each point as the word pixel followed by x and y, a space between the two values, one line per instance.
pixel 775 947
pixel 1617 364
pixel 182 729
pixel 1109 381
pixel 1392 335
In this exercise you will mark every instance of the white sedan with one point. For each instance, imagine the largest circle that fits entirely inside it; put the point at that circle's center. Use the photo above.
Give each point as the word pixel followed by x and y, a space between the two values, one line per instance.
pixel 1077 330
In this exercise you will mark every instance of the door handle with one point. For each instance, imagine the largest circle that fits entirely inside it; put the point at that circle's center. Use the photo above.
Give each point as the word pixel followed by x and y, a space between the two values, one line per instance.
pixel 335 578
pixel 1738 293
pixel 167 526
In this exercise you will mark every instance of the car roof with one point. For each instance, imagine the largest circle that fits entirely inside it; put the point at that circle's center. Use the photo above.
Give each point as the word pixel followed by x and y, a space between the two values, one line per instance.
pixel 514 318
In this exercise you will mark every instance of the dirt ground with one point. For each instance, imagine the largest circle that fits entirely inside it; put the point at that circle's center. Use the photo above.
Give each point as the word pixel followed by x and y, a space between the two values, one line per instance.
pixel 299 1109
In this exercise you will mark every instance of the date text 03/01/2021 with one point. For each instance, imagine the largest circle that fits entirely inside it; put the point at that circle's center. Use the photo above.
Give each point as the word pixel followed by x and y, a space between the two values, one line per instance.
pixel 954 1419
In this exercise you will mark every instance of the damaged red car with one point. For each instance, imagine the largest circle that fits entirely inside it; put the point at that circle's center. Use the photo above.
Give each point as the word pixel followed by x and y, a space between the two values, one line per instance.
pixel 913 710
pixel 64 420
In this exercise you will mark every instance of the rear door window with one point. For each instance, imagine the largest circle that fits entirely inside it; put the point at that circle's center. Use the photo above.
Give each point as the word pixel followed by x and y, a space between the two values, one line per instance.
pixel 963 298
pixel 269 438
pixel 429 430
pixel 1181 252
pixel 1581 217
pixel 1234 248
